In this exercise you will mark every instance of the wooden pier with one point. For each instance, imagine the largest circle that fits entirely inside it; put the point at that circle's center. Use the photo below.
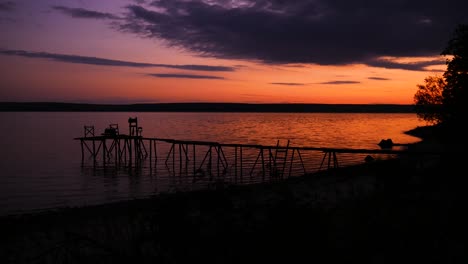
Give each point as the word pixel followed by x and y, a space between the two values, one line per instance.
pixel 213 161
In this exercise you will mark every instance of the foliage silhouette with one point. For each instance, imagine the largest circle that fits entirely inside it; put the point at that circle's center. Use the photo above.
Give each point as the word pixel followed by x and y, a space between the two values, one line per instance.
pixel 429 99
pixel 441 100
pixel 455 93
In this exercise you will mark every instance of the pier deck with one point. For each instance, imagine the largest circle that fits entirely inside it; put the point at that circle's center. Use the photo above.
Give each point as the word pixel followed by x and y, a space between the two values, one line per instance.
pixel 221 162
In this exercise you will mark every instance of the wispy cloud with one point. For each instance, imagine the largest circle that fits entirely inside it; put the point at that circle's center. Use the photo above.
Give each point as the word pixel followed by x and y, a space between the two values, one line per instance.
pixel 184 76
pixel 378 78
pixel 339 82
pixel 7 6
pixel 108 62
pixel 411 66
pixel 84 13
pixel 288 83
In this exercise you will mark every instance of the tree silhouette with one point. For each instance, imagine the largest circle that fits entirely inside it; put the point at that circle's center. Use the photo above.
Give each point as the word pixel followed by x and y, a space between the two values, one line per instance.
pixel 455 92
pixel 428 99
pixel 442 100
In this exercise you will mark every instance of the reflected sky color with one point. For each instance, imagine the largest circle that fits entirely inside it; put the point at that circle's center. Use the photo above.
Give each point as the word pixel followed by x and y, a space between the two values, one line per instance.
pixel 269 51
pixel 43 169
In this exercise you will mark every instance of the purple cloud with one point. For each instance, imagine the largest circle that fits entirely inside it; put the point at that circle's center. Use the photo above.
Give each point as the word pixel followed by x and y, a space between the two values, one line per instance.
pixel 184 76
pixel 108 62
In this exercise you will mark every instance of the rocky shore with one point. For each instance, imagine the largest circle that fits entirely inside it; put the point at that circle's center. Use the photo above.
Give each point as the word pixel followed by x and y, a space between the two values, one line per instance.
pixel 403 210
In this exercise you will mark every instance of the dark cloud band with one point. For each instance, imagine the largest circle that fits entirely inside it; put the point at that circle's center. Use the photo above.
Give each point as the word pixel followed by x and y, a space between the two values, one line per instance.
pixel 84 13
pixel 7 6
pixel 288 84
pixel 326 32
pixel 378 79
pixel 339 82
pixel 108 62
pixel 184 76
pixel 411 66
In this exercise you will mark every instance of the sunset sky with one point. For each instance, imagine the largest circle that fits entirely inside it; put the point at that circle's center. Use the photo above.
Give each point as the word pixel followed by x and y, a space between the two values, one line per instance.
pixel 245 51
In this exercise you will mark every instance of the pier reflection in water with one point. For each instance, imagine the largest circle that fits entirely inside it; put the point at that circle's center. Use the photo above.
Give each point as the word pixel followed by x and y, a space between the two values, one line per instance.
pixel 183 165
pixel 42 167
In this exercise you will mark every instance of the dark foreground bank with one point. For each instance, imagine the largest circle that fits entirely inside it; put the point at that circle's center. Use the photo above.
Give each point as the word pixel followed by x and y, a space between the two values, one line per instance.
pixel 403 210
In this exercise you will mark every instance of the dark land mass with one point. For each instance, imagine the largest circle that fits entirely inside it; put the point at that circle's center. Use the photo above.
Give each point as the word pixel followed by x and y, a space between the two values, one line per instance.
pixel 207 107
pixel 405 210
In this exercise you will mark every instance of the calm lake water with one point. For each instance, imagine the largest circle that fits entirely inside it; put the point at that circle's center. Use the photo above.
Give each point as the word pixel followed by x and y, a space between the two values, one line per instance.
pixel 41 164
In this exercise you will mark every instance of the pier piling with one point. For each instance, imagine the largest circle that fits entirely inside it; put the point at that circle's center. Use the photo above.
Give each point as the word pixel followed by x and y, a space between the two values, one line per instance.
pixel 260 162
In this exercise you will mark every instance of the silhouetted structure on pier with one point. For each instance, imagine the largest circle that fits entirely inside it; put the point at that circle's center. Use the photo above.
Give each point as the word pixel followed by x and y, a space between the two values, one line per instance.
pixel 213 161
pixel 122 147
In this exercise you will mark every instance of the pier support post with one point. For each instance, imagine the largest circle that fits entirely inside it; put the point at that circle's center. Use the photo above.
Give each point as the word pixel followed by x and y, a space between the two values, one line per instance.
pixel 194 165
pixel 103 142
pixel 150 152
pixel 82 152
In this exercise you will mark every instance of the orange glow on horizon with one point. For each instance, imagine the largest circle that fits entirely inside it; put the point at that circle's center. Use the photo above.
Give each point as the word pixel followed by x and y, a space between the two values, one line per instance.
pixel 46 80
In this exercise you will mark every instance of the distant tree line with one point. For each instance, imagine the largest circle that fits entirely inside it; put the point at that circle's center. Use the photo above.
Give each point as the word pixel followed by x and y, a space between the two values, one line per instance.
pixel 206 107
pixel 442 100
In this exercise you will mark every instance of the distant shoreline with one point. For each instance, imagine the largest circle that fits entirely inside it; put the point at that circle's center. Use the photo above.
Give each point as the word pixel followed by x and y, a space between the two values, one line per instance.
pixel 205 107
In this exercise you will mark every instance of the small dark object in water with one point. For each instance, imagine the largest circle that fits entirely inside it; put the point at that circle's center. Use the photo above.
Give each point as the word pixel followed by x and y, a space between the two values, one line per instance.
pixel 386 143
pixel 369 158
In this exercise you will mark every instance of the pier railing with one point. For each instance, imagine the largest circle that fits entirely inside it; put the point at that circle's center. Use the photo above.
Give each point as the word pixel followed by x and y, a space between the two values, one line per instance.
pixel 213 162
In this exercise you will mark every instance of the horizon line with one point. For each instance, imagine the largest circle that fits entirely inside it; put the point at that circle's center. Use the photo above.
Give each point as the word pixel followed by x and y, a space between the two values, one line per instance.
pixel 156 103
